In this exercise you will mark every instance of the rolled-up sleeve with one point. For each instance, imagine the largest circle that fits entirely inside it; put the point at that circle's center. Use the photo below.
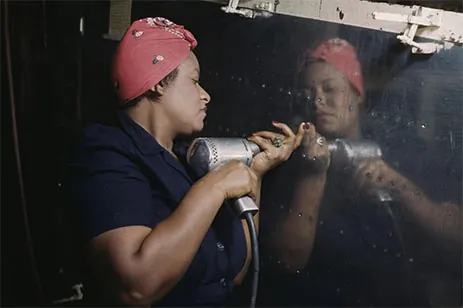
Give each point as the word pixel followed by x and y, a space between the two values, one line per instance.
pixel 110 191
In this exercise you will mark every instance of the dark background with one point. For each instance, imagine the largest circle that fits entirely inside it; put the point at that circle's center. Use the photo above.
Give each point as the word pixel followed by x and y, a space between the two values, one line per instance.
pixel 60 81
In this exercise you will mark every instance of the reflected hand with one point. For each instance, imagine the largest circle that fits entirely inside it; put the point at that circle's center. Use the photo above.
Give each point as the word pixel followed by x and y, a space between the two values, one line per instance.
pixel 371 175
pixel 276 148
pixel 315 149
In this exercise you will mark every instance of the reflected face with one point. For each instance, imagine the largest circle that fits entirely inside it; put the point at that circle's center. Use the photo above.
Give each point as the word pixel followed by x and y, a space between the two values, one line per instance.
pixel 333 102
pixel 185 99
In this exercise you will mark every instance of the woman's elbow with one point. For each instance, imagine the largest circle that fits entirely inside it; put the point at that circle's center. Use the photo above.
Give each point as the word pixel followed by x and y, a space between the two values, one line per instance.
pixel 292 260
pixel 134 298
pixel 145 294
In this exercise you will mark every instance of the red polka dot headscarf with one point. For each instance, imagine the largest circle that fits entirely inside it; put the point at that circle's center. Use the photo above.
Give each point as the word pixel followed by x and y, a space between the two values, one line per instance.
pixel 150 49
pixel 342 56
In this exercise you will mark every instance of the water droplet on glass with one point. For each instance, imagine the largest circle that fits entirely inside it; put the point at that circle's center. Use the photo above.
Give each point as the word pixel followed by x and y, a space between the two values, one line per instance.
pixel 227 129
pixel 398 255
pixel 390 234
pixel 281 90
pixel 341 232
pixel 263 85
pixel 239 79
pixel 279 262
pixel 417 192
pixel 338 290
pixel 290 210
pixel 289 93
pixel 282 206
pixel 321 222
pixel 410 260
pixel 299 214
pixel 374 245
pixel 232 77
pixel 386 250
pixel 298 271
pixel 424 125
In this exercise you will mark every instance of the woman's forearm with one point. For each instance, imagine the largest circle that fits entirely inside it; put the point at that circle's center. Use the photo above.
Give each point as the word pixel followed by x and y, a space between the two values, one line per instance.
pixel 167 251
pixel 441 220
pixel 291 241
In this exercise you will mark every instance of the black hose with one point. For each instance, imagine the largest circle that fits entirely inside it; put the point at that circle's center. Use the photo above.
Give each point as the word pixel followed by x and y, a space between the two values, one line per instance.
pixel 255 257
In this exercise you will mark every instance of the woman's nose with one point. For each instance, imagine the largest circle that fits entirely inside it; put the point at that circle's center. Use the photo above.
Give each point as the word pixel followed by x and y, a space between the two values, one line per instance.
pixel 205 96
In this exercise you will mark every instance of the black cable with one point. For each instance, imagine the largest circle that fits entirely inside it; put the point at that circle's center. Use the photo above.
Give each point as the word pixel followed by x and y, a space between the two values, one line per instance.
pixel 255 256
pixel 406 256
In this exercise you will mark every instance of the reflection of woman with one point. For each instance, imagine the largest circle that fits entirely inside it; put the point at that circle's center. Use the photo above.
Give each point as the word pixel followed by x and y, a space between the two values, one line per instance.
pixel 355 254
pixel 153 234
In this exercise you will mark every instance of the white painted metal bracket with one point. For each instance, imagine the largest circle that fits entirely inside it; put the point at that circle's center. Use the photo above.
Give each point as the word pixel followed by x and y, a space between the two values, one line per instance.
pixel 265 7
pixel 421 16
pixel 359 13
pixel 78 295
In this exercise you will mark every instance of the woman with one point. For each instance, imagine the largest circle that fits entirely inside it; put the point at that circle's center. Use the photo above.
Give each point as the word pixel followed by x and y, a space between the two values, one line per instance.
pixel 154 234
pixel 350 245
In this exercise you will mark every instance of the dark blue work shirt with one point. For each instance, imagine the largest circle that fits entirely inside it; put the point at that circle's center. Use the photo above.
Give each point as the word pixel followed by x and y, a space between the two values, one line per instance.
pixel 121 177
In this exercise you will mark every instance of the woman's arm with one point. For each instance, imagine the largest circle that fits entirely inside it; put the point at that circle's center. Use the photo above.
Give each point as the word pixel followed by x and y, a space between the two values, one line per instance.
pixel 291 240
pixel 441 220
pixel 139 265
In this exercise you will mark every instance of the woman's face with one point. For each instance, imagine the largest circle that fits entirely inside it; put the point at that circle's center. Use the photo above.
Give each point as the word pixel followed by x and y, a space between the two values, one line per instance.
pixel 334 104
pixel 185 100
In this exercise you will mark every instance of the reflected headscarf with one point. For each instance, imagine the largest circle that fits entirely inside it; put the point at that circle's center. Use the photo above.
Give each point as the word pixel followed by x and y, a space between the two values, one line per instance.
pixel 341 55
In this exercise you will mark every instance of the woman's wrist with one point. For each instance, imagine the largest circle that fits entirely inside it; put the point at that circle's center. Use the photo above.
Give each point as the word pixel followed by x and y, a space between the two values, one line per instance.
pixel 212 188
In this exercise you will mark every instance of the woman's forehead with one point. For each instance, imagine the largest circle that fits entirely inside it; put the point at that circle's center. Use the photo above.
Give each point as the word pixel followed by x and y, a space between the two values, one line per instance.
pixel 190 64
pixel 321 72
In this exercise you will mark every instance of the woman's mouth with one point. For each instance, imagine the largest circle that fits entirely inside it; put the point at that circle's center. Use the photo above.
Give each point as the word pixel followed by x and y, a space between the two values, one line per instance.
pixel 323 115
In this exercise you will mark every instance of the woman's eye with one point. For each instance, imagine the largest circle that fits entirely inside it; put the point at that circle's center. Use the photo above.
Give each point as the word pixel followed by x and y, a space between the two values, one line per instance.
pixel 329 89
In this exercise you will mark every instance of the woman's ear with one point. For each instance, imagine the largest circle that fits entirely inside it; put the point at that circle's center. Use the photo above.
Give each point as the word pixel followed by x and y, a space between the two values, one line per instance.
pixel 359 99
pixel 159 89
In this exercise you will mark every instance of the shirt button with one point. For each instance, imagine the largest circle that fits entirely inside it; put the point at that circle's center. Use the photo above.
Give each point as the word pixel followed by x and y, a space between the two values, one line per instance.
pixel 223 282
pixel 220 246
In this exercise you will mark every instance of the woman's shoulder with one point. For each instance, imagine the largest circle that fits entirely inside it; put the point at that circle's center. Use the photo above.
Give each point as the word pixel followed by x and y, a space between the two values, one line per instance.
pixel 104 135
pixel 104 142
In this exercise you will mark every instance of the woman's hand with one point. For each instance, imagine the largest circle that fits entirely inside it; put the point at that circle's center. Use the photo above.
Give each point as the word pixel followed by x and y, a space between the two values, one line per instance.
pixel 276 148
pixel 371 175
pixel 233 179
pixel 315 150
